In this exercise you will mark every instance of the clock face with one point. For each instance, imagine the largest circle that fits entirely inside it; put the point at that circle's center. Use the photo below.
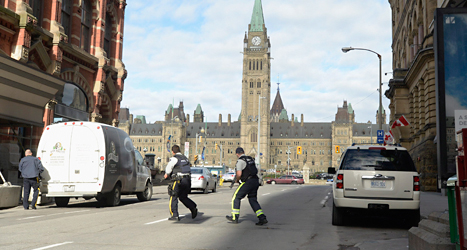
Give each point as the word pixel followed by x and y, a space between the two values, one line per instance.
pixel 256 40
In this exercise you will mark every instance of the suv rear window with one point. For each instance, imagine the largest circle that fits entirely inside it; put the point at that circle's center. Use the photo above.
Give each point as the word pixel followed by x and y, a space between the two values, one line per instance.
pixel 378 159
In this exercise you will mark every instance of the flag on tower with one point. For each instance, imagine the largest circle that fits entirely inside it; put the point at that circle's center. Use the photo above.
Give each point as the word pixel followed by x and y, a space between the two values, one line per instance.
pixel 402 121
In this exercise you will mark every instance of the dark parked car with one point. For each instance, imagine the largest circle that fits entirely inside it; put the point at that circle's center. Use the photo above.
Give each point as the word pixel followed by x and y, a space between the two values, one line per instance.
pixel 286 179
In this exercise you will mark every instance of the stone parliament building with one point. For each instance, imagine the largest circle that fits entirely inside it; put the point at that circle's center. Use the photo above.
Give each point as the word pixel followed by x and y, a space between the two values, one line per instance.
pixel 278 133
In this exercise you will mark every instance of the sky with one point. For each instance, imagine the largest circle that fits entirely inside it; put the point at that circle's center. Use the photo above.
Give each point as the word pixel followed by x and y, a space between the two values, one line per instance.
pixel 190 51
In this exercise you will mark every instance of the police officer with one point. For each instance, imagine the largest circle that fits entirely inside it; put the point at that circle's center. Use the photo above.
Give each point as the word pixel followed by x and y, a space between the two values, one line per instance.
pixel 247 172
pixel 178 169
pixel 30 168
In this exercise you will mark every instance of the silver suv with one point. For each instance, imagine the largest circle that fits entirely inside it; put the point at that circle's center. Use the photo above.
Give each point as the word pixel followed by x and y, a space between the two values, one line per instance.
pixel 376 179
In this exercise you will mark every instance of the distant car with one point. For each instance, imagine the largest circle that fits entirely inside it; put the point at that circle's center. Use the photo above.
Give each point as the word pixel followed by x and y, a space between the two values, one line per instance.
pixel 202 179
pixel 376 179
pixel 324 176
pixel 286 179
pixel 228 176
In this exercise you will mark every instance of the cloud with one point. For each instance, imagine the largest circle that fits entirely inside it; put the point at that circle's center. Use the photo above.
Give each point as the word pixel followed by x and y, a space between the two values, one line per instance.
pixel 180 50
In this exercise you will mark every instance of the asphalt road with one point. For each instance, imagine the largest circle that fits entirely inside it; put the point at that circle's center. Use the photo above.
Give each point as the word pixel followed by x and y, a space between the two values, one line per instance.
pixel 299 218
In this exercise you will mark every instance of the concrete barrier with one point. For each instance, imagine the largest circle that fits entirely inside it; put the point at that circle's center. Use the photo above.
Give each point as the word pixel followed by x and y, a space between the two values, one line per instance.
pixel 9 196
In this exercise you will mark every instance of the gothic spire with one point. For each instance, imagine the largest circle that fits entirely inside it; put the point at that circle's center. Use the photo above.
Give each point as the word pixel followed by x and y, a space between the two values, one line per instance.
pixel 257 19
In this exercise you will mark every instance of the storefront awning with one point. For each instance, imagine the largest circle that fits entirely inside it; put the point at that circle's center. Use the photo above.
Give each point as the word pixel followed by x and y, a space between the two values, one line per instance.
pixel 24 92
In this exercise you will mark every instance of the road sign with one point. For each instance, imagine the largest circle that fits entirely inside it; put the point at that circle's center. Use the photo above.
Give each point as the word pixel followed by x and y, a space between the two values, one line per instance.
pixel 380 140
pixel 380 133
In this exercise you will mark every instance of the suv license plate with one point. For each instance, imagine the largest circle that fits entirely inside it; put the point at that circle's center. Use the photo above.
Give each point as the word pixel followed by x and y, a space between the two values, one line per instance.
pixel 69 188
pixel 378 184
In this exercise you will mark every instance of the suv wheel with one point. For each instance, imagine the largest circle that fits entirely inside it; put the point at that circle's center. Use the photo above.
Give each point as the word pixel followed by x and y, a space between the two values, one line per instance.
pixel 413 217
pixel 337 215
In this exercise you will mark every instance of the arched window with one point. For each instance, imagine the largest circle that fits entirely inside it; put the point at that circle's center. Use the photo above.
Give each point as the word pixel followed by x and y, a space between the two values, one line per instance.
pixel 67 6
pixel 254 137
pixel 258 84
pixel 257 64
pixel 261 64
pixel 254 64
pixel 72 104
pixel 250 65
pixel 86 25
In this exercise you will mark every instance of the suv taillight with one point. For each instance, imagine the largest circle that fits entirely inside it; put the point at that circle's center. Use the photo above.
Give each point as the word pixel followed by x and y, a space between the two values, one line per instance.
pixel 340 181
pixel 416 183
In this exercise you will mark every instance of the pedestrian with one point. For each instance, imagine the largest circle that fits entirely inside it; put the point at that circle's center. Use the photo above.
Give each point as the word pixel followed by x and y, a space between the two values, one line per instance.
pixel 30 168
pixel 178 169
pixel 247 172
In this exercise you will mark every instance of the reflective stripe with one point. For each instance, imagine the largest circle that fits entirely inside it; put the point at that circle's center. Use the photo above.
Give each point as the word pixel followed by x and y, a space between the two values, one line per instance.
pixel 236 211
pixel 170 202
pixel 259 212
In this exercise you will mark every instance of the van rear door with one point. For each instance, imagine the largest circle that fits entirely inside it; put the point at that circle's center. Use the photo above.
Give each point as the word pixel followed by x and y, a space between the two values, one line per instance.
pixel 84 155
pixel 54 148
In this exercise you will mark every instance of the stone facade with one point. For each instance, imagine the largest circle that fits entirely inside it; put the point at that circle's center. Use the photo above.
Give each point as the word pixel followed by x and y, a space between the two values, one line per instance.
pixel 412 90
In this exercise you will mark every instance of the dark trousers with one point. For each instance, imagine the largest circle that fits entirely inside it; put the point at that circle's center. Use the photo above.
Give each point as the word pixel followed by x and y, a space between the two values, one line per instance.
pixel 250 188
pixel 29 183
pixel 182 189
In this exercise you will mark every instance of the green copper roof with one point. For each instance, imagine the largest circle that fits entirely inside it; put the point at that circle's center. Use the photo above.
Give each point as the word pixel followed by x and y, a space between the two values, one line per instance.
pixel 257 19
pixel 296 119
pixel 198 109
pixel 169 109
pixel 283 115
pixel 350 109
pixel 142 118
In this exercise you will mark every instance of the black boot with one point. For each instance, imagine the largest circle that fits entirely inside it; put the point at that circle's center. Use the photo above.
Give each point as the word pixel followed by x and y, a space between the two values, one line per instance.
pixel 262 221
pixel 232 219
pixel 194 213
pixel 175 218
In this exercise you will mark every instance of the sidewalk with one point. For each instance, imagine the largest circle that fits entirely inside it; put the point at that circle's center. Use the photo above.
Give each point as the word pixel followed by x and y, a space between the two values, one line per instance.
pixel 429 202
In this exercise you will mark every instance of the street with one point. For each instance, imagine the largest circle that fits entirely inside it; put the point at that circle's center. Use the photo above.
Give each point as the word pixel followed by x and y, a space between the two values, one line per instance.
pixel 297 220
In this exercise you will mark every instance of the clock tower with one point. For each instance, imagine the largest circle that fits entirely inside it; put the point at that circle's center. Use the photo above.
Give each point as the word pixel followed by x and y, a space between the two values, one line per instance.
pixel 256 88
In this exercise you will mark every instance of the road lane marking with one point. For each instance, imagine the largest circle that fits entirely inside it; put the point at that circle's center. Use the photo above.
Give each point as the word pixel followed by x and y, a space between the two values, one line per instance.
pixel 32 217
pixel 157 221
pixel 76 212
pixel 323 202
pixel 54 245
pixel 267 194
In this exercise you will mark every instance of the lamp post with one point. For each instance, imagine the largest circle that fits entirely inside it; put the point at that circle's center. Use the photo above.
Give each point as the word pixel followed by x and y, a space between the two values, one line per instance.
pixel 371 133
pixel 259 132
pixel 380 111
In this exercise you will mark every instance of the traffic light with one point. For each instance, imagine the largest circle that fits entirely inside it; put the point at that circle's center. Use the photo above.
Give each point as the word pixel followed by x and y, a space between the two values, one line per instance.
pixel 216 146
pixel 337 149
pixel 299 150
pixel 196 159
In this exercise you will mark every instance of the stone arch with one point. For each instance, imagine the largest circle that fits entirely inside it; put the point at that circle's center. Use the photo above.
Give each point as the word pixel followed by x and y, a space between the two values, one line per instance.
pixel 73 76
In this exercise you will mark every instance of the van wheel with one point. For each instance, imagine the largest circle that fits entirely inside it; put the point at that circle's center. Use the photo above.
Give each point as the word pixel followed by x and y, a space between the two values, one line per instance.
pixel 337 215
pixel 146 194
pixel 113 198
pixel 206 190
pixel 215 188
pixel 62 201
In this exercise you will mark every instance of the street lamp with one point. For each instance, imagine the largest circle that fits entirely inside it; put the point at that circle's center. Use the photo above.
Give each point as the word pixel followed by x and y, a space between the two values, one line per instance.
pixel 371 133
pixel 380 111
pixel 259 131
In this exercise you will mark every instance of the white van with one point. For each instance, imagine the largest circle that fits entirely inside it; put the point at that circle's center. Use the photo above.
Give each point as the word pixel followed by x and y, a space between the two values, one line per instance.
pixel 91 160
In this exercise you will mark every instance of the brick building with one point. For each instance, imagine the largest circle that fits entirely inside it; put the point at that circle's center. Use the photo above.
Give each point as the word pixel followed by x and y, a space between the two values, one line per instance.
pixel 60 60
